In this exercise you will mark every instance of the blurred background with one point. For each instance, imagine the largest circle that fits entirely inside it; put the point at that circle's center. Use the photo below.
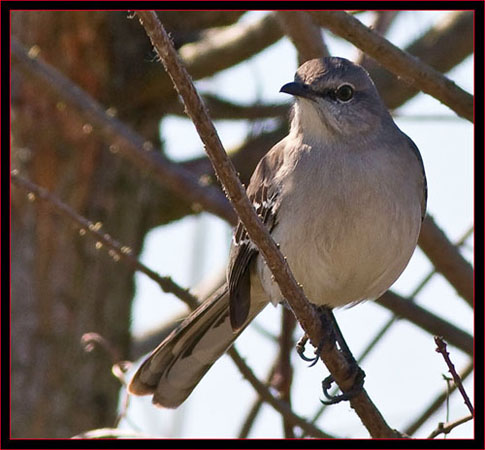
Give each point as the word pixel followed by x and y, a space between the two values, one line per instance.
pixel 64 284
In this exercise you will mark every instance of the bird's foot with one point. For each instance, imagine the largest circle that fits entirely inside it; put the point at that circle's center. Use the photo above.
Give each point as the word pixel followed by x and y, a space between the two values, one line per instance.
pixel 300 349
pixel 347 395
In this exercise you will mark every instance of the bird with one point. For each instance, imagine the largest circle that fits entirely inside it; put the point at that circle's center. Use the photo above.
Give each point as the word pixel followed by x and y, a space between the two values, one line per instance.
pixel 343 195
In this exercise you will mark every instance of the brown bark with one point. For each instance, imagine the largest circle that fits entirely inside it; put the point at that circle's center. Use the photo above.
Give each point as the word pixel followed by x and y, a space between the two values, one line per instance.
pixel 62 286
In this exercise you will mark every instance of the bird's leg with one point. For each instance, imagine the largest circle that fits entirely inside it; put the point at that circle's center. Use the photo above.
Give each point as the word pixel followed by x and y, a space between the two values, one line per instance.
pixel 332 335
pixel 354 368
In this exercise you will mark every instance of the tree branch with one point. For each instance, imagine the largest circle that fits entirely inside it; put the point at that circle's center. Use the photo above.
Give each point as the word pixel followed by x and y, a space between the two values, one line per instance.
pixel 116 250
pixel 280 406
pixel 447 259
pixel 445 428
pixel 304 33
pixel 426 320
pixel 399 62
pixel 221 108
pixel 441 348
pixel 127 142
pixel 436 403
pixel 382 22
pixel 443 46
pixel 306 315
pixel 219 50
pixel 283 374
pixel 252 413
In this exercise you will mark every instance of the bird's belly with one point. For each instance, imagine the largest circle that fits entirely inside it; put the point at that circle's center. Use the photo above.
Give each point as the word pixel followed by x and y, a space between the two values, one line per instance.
pixel 338 263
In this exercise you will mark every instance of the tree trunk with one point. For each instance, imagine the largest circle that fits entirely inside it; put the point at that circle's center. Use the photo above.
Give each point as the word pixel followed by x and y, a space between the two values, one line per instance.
pixel 62 285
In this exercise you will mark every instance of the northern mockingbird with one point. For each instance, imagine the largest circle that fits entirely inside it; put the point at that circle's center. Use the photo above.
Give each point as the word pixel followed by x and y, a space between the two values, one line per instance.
pixel 344 195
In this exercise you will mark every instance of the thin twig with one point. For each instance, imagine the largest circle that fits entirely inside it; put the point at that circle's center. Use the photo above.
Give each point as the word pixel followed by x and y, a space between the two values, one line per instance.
pixel 116 250
pixel 436 403
pixel 445 428
pixel 255 409
pixel 250 418
pixel 402 64
pixel 91 340
pixel 306 315
pixel 442 348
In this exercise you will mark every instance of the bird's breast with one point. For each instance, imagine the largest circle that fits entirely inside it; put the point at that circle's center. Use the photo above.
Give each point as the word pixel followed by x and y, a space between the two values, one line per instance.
pixel 347 231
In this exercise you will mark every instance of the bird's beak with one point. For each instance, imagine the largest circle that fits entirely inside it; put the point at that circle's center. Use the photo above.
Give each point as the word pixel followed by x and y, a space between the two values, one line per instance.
pixel 297 89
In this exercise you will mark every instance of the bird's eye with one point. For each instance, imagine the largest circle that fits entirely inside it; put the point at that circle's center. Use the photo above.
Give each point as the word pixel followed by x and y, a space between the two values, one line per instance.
pixel 345 92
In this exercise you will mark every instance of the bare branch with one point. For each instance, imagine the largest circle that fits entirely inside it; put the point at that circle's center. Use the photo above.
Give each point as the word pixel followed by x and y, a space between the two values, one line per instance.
pixel 397 61
pixel 283 374
pixel 436 403
pixel 219 50
pixel 116 250
pixel 304 33
pixel 280 406
pixel 229 46
pixel 445 428
pixel 221 108
pixel 441 348
pixel 443 46
pixel 382 22
pixel 421 317
pixel 307 316
pixel 253 412
pixel 127 142
pixel 447 259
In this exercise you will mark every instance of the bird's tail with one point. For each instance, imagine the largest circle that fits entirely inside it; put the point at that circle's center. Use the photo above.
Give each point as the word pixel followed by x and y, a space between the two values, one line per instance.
pixel 177 365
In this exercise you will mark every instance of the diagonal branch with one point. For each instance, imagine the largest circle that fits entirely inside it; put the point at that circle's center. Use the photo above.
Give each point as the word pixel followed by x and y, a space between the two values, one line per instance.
pixel 442 348
pixel 426 320
pixel 280 406
pixel 447 259
pixel 221 49
pixel 437 402
pixel 221 108
pixel 129 144
pixel 382 22
pixel 443 46
pixel 304 33
pixel 445 428
pixel 307 316
pixel 402 64
pixel 116 250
